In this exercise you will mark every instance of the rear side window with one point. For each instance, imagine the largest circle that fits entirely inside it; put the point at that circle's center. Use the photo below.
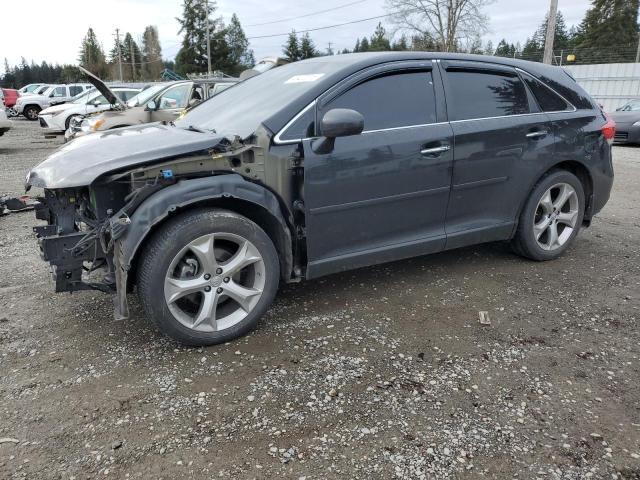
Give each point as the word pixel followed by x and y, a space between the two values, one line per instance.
pixel 485 94
pixel 75 90
pixel 391 101
pixel 548 100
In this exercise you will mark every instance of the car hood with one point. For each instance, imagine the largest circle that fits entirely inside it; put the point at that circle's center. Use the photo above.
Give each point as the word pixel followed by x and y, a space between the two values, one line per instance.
pixel 102 88
pixel 81 161
pixel 56 108
pixel 623 118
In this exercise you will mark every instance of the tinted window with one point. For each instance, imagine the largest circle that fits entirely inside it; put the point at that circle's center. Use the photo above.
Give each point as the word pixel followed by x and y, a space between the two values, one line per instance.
pixel 397 100
pixel 482 95
pixel 547 99
pixel 302 127
pixel 75 90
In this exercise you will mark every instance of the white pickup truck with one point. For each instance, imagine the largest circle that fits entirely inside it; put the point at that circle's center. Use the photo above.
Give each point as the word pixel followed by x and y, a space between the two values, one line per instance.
pixel 31 105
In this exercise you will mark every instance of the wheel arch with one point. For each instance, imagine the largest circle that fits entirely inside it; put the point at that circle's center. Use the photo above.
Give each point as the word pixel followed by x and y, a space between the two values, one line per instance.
pixel 230 192
pixel 580 171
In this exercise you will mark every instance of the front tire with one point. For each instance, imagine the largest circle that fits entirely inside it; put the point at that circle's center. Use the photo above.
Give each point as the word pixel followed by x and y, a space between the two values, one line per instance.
pixel 551 217
pixel 207 276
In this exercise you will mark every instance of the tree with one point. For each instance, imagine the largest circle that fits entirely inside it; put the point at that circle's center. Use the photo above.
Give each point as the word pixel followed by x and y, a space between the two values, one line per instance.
pixel 489 50
pixel 131 58
pixel 401 45
pixel 364 45
pixel 151 54
pixel 505 49
pixel 307 48
pixel 379 40
pixel 291 49
pixel 91 55
pixel 448 21
pixel 356 48
pixel 192 56
pixel 605 22
pixel 240 55
pixel 475 45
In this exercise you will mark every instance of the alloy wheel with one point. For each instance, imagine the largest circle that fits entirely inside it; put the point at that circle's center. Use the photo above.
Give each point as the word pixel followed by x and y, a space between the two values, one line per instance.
pixel 214 282
pixel 556 216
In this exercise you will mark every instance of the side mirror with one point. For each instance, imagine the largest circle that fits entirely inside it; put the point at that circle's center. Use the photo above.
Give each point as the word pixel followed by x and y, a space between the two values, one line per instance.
pixel 151 105
pixel 193 102
pixel 338 122
pixel 96 103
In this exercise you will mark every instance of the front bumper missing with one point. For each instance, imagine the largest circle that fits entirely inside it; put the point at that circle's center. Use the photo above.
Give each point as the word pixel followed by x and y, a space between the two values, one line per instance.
pixel 67 253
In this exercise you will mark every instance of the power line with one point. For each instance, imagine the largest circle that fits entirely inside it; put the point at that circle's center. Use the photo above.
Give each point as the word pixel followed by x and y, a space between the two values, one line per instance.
pixel 324 28
pixel 306 15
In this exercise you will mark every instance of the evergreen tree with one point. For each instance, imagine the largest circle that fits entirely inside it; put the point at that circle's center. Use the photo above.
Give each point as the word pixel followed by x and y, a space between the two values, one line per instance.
pixel 505 49
pixel 364 45
pixel 151 54
pixel 92 56
pixel 608 22
pixel 291 49
pixel 192 57
pixel 401 45
pixel 131 58
pixel 356 49
pixel 424 43
pixel 240 55
pixel 489 50
pixel 307 48
pixel 379 40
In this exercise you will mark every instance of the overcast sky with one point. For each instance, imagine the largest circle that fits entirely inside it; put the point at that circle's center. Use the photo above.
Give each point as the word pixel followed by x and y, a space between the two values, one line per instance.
pixel 43 30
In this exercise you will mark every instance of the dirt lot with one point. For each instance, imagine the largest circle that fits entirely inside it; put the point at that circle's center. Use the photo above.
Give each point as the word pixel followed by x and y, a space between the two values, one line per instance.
pixel 378 373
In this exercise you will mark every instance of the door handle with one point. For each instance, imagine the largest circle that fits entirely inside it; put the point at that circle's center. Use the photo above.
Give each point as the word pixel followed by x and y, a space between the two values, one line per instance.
pixel 435 150
pixel 537 134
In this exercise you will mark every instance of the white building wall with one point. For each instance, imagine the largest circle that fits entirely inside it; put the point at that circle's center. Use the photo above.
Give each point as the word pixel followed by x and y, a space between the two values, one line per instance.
pixel 610 84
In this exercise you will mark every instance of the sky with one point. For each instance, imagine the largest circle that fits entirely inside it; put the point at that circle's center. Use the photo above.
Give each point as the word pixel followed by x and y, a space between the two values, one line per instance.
pixel 57 28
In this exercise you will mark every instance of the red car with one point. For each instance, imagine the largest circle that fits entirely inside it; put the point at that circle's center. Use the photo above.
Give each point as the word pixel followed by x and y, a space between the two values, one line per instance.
pixel 10 97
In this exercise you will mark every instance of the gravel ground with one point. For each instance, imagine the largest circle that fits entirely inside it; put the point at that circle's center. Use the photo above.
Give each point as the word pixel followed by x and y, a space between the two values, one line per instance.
pixel 383 372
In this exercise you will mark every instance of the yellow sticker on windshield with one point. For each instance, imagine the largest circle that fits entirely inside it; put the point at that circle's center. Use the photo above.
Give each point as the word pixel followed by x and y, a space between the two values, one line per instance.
pixel 312 77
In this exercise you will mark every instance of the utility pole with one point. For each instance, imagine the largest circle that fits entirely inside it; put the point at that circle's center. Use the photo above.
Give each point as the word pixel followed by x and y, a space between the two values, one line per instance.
pixel 638 51
pixel 133 64
pixel 119 52
pixel 551 33
pixel 206 12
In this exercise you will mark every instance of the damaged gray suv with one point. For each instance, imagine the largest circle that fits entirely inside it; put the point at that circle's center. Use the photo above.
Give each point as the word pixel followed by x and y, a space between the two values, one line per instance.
pixel 318 167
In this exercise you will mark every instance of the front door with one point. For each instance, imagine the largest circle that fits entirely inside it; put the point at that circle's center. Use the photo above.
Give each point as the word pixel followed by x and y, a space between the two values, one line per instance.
pixel 381 195
pixel 172 102
pixel 501 141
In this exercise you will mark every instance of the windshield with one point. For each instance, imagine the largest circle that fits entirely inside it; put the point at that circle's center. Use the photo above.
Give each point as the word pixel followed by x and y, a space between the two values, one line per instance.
pixel 241 109
pixel 84 96
pixel 631 106
pixel 42 89
pixel 145 95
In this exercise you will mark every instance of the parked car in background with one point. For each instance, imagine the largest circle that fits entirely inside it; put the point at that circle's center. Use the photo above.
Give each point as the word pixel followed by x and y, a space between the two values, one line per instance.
pixel 30 88
pixel 31 105
pixel 58 117
pixel 5 123
pixel 317 167
pixel 627 120
pixel 10 97
pixel 158 103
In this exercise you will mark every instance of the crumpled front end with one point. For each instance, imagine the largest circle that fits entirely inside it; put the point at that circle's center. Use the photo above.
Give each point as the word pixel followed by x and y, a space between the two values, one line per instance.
pixel 74 242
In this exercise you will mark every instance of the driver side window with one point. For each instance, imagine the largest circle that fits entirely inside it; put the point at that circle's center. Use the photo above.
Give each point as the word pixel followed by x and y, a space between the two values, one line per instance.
pixel 176 97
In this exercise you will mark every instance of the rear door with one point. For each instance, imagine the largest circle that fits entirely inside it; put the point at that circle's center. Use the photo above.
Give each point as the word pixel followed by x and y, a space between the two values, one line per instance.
pixel 381 195
pixel 500 141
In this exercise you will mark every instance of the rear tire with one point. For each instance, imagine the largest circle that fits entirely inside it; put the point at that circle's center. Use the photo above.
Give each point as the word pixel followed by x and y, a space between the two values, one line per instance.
pixel 207 276
pixel 551 217
pixel 31 112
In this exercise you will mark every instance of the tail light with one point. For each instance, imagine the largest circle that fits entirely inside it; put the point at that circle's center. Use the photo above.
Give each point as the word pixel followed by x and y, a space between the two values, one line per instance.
pixel 609 129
